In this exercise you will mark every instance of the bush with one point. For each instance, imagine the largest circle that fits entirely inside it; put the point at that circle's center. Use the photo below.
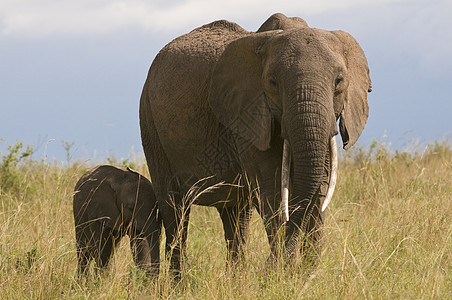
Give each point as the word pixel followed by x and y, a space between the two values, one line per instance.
pixel 10 175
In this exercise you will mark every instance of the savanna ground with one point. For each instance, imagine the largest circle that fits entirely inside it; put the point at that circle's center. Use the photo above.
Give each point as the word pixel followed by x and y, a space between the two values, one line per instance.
pixel 387 235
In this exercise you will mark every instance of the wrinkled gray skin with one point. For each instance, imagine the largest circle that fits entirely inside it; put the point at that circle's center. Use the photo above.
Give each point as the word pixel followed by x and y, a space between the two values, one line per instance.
pixel 110 202
pixel 220 100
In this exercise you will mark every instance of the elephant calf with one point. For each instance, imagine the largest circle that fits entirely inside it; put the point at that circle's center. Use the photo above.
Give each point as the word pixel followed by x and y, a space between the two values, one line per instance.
pixel 110 202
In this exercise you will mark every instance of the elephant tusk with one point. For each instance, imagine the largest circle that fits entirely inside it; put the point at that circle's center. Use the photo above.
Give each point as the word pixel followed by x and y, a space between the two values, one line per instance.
pixel 285 175
pixel 333 173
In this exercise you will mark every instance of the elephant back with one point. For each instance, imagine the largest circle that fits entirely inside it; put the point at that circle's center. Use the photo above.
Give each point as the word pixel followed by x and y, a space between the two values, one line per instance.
pixel 206 42
pixel 176 92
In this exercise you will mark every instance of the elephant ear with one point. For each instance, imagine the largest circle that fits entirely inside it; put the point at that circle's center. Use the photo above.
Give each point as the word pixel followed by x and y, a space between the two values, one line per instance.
pixel 236 95
pixel 353 118
pixel 101 202
pixel 114 205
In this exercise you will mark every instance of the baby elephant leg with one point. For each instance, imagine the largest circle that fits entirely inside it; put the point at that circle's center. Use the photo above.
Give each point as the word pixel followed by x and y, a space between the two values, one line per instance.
pixel 94 242
pixel 108 240
pixel 146 250
pixel 84 255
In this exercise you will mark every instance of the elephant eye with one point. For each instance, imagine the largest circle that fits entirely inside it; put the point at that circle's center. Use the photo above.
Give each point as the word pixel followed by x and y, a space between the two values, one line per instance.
pixel 339 79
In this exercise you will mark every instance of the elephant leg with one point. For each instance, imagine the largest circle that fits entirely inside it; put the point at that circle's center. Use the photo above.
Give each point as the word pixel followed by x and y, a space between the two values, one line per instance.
pixel 146 250
pixel 83 257
pixel 267 200
pixel 92 244
pixel 175 217
pixel 170 206
pixel 268 210
pixel 83 262
pixel 264 173
pixel 176 237
pixel 236 229
pixel 108 242
pixel 141 252
pixel 83 237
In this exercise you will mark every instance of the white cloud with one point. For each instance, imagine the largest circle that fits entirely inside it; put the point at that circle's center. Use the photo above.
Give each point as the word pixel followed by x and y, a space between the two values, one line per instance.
pixel 414 26
pixel 51 17
pixel 84 17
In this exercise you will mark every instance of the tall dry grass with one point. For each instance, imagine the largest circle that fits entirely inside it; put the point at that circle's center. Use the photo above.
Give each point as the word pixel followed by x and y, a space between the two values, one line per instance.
pixel 387 236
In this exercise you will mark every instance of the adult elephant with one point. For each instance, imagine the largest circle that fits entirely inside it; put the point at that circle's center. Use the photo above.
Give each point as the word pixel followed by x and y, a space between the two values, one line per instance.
pixel 238 107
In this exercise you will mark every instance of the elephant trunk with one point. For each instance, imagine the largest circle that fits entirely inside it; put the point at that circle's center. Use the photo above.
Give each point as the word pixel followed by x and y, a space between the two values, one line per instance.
pixel 307 124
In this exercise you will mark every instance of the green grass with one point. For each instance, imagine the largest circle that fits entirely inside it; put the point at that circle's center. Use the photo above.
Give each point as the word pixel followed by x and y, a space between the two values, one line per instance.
pixel 388 235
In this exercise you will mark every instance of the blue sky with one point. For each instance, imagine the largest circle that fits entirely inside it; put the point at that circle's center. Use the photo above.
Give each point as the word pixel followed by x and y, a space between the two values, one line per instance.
pixel 73 70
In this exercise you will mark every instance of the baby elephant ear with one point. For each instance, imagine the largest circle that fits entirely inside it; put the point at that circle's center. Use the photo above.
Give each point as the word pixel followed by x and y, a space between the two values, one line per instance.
pixel 236 95
pixel 356 109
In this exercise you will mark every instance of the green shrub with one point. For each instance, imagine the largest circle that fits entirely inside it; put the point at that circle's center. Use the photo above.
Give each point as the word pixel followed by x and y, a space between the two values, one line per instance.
pixel 10 174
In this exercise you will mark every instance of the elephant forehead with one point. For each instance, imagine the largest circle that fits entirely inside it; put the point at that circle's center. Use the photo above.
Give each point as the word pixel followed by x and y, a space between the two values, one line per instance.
pixel 305 47
pixel 302 40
